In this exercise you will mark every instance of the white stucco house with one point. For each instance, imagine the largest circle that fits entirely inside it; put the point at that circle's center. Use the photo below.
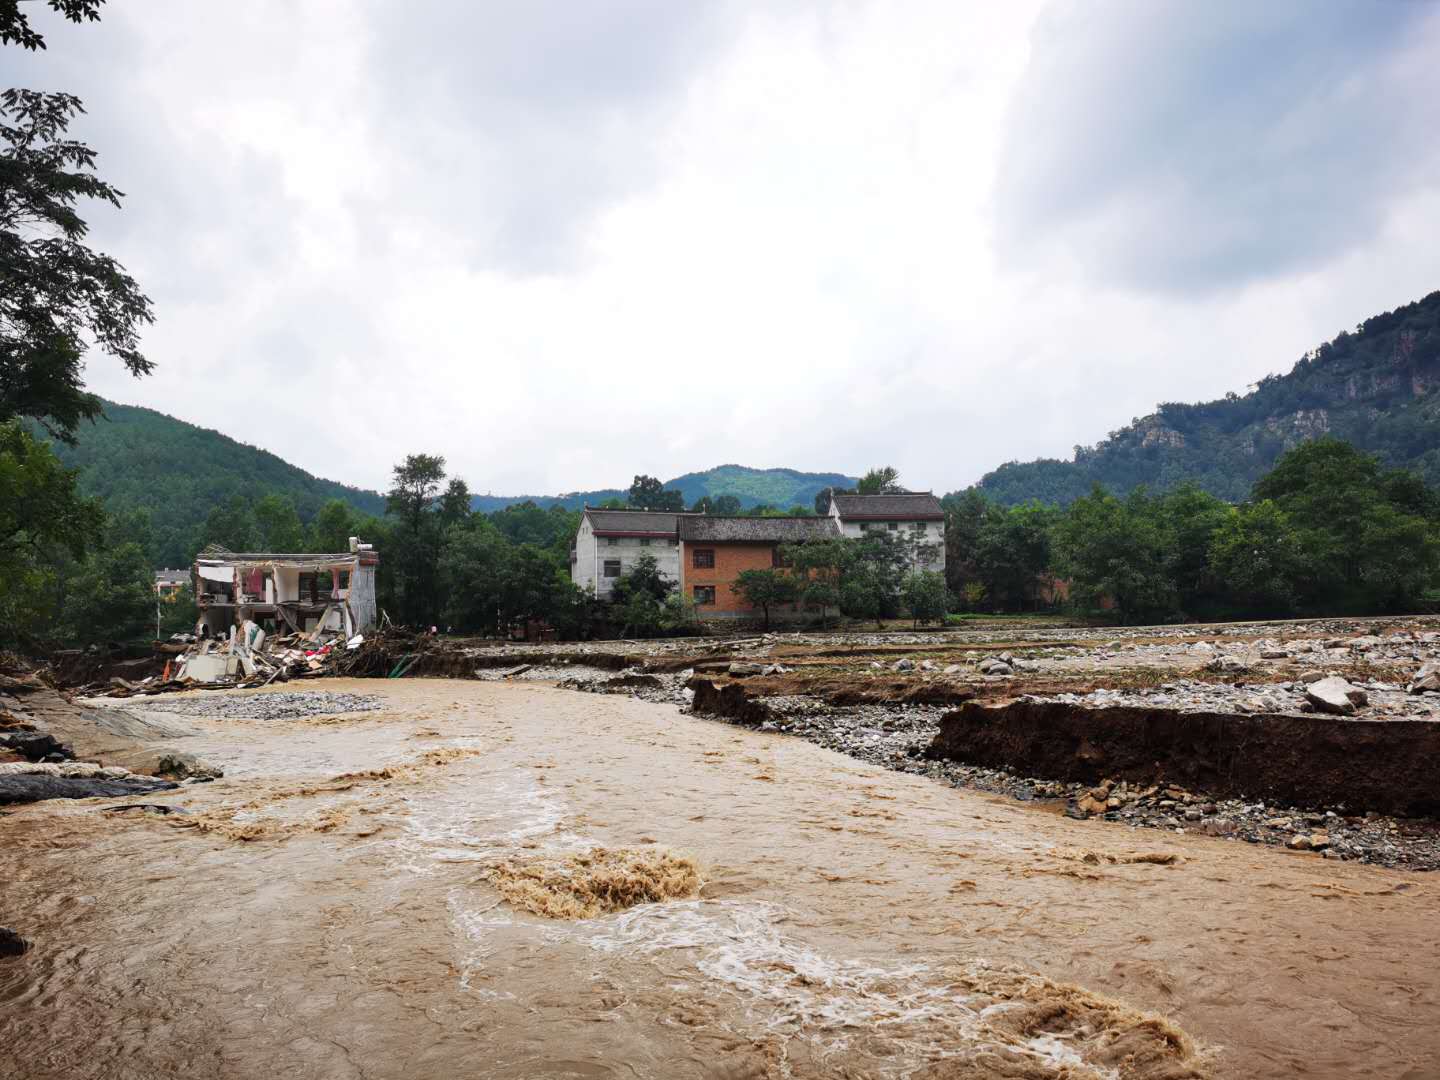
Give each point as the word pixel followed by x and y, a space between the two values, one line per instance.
pixel 915 517
pixel 609 542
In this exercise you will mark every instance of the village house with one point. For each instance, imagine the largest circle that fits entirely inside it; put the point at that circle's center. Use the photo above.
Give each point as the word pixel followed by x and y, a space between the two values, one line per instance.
pixel 713 551
pixel 169 583
pixel 610 541
pixel 917 518
pixel 286 593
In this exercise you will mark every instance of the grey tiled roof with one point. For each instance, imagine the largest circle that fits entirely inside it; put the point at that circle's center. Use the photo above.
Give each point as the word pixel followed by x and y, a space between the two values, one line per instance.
pixel 772 530
pixel 889 507
pixel 641 521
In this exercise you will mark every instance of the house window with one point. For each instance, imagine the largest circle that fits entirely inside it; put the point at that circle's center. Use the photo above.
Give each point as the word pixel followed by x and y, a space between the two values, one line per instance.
pixel 703 559
pixel 612 567
pixel 894 526
pixel 919 526
pixel 778 560
pixel 704 594
pixel 644 541
pixel 610 541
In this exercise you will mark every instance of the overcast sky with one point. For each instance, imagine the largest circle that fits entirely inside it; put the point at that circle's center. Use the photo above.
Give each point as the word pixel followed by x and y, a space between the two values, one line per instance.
pixel 565 241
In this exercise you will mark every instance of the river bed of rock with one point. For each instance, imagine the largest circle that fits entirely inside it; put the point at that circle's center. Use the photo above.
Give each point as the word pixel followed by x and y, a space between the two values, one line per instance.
pixel 280 705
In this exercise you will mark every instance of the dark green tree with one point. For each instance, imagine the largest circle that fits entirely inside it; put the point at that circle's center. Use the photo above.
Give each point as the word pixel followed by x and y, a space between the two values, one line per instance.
pixel 1011 554
pixel 766 589
pixel 415 538
pixel 333 526
pixel 278 524
pixel 1256 554
pixel 925 597
pixel 1114 550
pixel 56 293
pixel 230 525
pixel 644 577
pixel 884 480
pixel 454 503
pixel 43 519
pixel 648 493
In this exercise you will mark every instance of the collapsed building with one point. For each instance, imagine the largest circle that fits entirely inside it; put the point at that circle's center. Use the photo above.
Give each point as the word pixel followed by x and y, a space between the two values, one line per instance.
pixel 286 593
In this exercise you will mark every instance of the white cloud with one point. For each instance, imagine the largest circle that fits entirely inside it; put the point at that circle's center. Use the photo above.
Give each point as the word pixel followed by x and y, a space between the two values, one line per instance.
pixel 562 253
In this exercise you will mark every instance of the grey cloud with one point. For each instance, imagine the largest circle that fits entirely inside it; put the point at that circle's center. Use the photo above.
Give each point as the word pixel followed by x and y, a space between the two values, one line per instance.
pixel 530 119
pixel 1171 145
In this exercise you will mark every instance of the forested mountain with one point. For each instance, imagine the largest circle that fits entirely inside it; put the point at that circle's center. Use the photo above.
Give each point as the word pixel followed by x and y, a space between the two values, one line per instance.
pixel 137 459
pixel 140 459
pixel 780 488
pixel 1378 388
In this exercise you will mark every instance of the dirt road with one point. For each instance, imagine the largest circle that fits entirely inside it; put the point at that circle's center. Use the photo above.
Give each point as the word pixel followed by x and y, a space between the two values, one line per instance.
pixel 332 909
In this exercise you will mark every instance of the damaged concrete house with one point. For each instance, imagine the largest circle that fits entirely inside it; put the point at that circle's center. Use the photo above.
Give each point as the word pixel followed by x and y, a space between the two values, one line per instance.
pixel 286 593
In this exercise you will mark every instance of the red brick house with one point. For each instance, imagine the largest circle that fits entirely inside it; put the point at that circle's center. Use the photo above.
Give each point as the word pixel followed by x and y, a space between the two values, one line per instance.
pixel 713 550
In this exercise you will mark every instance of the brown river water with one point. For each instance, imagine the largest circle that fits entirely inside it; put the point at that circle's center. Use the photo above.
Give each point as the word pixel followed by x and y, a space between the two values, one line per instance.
pixel 339 906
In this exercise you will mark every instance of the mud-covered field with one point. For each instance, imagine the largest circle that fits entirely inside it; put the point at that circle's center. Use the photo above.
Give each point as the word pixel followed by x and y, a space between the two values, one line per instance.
pixel 517 880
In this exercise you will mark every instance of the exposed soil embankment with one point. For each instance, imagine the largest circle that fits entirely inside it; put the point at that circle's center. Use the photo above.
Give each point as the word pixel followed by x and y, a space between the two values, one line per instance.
pixel 1380 765
pixel 729 701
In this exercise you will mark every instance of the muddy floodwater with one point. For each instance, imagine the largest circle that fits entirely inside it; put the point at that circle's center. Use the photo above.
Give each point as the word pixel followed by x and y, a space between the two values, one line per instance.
pixel 383 894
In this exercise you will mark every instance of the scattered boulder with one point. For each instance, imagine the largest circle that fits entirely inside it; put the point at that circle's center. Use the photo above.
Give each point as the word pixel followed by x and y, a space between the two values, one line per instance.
pixel 904 665
pixel 1273 654
pixel 36 745
pixel 11 943
pixel 1426 679
pixel 1335 695
pixel 1298 842
pixel 1227 664
pixel 35 787
pixel 740 670
pixel 187 767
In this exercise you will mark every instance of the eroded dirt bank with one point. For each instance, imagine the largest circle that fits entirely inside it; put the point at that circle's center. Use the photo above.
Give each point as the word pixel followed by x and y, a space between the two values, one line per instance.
pixel 1387 766
pixel 355 898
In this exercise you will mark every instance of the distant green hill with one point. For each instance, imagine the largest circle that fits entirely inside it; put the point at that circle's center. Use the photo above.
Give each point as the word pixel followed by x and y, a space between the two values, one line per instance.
pixel 140 459
pixel 781 488
pixel 1378 388
pixel 177 472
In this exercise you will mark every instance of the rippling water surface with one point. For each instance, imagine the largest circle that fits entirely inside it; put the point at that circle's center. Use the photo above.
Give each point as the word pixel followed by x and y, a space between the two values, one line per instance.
pixel 330 912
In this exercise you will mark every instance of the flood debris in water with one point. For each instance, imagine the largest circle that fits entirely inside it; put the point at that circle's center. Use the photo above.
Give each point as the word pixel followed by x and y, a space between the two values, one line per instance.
pixel 1036 1029
pixel 599 881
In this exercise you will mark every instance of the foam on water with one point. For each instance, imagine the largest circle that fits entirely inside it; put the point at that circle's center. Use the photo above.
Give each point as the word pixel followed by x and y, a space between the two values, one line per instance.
pixel 791 988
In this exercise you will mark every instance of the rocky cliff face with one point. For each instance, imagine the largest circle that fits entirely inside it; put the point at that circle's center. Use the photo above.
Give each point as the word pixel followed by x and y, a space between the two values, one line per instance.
pixel 1375 387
